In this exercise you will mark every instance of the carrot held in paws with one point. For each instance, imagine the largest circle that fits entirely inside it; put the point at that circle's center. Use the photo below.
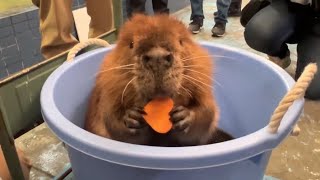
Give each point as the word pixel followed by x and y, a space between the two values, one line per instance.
pixel 158 114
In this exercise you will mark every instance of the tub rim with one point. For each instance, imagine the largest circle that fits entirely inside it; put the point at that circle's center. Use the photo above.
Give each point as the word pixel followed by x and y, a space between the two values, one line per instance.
pixel 165 158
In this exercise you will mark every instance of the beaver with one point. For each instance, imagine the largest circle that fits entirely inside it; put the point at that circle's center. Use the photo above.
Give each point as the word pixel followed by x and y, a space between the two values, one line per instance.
pixel 155 56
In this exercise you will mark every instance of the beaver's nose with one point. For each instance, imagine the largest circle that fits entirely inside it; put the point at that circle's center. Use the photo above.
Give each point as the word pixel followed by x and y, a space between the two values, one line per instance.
pixel 157 58
pixel 167 59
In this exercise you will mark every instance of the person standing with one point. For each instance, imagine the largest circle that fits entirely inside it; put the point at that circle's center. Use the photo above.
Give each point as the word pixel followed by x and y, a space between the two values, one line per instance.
pixel 224 9
pixel 56 22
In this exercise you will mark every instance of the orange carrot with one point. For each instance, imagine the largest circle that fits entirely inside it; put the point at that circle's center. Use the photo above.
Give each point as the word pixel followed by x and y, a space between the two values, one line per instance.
pixel 158 114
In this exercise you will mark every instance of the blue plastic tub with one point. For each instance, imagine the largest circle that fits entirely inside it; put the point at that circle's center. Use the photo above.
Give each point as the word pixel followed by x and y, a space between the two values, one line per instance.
pixel 249 90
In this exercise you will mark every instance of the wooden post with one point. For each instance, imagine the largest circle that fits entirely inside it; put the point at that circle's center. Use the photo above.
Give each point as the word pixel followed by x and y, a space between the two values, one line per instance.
pixel 9 149
pixel 117 15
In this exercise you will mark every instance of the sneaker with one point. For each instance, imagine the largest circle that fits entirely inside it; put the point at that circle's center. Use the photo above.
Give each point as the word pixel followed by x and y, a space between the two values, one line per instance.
pixel 283 63
pixel 196 25
pixel 218 29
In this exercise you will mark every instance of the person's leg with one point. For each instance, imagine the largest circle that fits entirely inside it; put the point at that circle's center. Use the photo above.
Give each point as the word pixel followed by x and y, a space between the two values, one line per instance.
pixel 234 9
pixel 196 9
pixel 160 6
pixel 197 16
pixel 135 6
pixel 56 22
pixel 308 51
pixel 269 29
pixel 252 8
pixel 221 17
pixel 101 15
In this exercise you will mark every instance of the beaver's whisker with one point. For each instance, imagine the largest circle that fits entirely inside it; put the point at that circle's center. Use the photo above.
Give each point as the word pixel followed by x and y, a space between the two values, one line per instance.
pixel 126 72
pixel 187 90
pixel 101 72
pixel 214 80
pixel 187 76
pixel 196 84
pixel 125 88
pixel 228 57
pixel 225 57
pixel 198 57
pixel 124 67
pixel 120 74
pixel 188 69
pixel 194 65
pixel 188 57
pixel 217 82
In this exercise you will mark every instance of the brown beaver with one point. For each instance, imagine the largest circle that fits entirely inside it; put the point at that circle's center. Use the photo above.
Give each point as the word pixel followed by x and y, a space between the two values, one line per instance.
pixel 155 56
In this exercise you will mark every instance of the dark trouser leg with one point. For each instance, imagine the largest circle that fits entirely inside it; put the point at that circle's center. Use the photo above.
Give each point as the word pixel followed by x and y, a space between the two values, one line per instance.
pixel 235 8
pixel 135 6
pixel 253 7
pixel 160 6
pixel 222 15
pixel 308 51
pixel 236 4
pixel 196 9
pixel 270 28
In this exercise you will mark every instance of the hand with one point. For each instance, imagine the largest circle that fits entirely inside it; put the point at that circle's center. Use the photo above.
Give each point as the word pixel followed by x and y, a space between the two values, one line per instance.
pixel 134 121
pixel 181 118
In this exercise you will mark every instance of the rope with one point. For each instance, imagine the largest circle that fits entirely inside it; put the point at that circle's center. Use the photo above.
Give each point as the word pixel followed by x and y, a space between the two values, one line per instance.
pixel 295 93
pixel 91 41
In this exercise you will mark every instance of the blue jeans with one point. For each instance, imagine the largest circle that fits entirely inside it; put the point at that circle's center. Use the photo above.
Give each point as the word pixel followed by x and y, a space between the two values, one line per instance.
pixel 222 6
pixel 196 9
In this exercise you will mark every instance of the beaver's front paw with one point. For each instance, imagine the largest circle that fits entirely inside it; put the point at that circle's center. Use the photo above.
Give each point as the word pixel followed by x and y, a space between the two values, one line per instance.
pixel 134 121
pixel 181 118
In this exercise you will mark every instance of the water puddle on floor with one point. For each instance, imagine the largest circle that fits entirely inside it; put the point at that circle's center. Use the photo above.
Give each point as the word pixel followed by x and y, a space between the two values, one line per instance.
pixel 298 158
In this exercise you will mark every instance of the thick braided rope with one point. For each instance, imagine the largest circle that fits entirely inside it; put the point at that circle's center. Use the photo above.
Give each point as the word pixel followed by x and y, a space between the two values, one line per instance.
pixel 295 93
pixel 92 41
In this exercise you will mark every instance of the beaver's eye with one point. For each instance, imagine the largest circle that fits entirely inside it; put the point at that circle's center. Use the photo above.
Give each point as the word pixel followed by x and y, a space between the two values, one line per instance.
pixel 131 45
pixel 180 42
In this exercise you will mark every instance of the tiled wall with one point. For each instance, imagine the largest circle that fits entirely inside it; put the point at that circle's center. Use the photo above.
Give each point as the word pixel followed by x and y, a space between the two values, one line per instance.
pixel 19 42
